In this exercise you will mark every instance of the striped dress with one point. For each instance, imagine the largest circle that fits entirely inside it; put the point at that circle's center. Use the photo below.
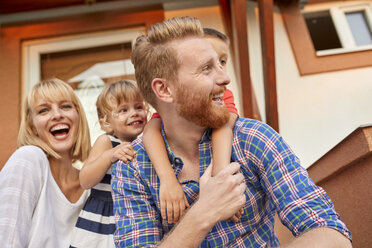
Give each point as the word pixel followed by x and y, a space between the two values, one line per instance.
pixel 96 224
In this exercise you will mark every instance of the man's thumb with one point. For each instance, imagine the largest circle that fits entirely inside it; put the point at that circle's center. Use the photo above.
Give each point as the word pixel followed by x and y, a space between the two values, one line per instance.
pixel 208 171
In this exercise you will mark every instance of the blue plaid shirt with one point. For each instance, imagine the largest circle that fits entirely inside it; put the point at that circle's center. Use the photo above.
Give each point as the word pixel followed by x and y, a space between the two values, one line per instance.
pixel 276 183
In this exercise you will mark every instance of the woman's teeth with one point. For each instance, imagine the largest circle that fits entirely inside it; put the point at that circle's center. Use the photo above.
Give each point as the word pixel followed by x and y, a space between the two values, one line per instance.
pixel 59 127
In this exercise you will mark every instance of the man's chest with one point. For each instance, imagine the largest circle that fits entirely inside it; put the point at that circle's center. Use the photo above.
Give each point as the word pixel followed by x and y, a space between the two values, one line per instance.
pixel 190 171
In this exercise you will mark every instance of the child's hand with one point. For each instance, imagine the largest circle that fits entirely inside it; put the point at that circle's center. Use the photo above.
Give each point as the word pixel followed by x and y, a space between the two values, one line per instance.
pixel 124 152
pixel 172 201
pixel 237 215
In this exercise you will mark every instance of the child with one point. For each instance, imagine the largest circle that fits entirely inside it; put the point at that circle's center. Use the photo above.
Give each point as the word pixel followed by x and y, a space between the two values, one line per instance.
pixel 122 115
pixel 172 199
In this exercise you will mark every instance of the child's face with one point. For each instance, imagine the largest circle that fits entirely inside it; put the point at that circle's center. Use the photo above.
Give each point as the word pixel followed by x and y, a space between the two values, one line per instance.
pixel 128 120
pixel 221 49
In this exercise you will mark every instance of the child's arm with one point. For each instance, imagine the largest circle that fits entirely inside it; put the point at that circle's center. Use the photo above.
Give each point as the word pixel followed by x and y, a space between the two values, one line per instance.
pixel 222 141
pixel 221 144
pixel 100 160
pixel 172 198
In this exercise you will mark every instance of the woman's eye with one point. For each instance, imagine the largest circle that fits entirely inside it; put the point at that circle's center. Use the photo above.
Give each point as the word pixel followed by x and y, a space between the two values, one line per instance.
pixel 43 110
pixel 223 62
pixel 66 106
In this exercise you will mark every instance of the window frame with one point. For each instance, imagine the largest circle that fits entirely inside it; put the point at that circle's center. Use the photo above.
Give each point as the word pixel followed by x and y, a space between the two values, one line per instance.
pixel 34 48
pixel 338 14
pixel 303 49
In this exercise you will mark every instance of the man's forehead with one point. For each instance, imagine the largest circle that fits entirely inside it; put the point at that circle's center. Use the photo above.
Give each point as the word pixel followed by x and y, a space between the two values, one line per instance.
pixel 193 47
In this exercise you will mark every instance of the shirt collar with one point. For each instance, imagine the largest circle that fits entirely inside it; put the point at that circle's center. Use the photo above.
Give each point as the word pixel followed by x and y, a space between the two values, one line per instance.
pixel 206 137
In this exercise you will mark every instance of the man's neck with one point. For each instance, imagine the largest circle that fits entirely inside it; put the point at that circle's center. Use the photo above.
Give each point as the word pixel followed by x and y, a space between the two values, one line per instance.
pixel 183 137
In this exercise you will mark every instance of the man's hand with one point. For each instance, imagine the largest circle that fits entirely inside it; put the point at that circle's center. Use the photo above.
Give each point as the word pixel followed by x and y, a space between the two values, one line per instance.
pixel 222 196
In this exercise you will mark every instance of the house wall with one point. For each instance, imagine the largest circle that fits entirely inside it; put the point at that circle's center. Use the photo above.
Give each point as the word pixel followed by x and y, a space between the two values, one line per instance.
pixel 315 111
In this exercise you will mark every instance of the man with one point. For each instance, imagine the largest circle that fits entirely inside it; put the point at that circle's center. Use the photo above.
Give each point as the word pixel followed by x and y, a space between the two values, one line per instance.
pixel 179 74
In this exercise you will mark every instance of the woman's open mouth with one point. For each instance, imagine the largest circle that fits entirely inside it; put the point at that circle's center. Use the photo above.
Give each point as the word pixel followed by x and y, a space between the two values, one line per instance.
pixel 60 130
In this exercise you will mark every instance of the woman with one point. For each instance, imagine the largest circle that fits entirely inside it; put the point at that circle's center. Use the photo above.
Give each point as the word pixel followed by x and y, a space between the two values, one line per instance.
pixel 40 193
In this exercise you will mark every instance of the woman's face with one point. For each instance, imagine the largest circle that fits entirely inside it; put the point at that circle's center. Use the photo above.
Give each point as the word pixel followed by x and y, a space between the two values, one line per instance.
pixel 56 123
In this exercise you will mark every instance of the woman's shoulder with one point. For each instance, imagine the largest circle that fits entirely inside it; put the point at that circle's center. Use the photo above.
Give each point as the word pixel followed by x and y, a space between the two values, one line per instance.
pixel 30 152
pixel 29 155
pixel 29 161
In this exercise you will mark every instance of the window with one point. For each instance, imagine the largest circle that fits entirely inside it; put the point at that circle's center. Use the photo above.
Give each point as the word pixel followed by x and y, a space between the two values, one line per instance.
pixel 359 28
pixel 320 23
pixel 340 28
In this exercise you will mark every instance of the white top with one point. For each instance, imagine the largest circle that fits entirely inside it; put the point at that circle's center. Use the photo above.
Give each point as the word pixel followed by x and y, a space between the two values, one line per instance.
pixel 33 210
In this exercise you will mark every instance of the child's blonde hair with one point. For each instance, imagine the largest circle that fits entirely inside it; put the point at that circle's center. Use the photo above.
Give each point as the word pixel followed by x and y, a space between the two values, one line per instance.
pixel 114 94
pixel 53 90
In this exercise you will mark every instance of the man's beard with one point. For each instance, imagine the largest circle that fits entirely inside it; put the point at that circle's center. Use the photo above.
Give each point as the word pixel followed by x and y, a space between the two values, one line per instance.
pixel 195 107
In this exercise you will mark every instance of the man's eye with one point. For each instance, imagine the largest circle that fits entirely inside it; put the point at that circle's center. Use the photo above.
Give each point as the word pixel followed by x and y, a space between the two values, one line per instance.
pixel 223 62
pixel 207 68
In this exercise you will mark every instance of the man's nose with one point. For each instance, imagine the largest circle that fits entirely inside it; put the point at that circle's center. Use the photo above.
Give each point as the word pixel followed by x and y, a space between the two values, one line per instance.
pixel 222 77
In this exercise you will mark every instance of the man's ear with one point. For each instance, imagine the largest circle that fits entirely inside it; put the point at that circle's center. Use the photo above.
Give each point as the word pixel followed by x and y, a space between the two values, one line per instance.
pixel 105 125
pixel 162 90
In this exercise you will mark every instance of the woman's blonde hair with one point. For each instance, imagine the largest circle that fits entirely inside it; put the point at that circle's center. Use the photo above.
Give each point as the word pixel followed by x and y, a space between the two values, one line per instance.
pixel 53 90
pixel 114 94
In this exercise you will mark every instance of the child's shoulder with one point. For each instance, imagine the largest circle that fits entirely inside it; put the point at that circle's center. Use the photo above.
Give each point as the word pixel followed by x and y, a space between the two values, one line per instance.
pixel 103 138
pixel 102 141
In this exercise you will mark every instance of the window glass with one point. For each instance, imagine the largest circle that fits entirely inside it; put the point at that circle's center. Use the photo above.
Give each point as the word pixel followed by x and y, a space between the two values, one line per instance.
pixel 322 30
pixel 359 28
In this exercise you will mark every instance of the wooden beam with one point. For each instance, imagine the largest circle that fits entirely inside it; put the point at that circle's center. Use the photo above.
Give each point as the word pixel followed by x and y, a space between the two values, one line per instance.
pixel 268 61
pixel 240 42
pixel 226 13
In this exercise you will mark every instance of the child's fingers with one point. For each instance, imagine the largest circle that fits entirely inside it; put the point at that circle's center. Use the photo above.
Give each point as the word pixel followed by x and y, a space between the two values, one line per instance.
pixel 122 157
pixel 126 148
pixel 128 157
pixel 186 201
pixel 182 208
pixel 238 215
pixel 234 218
pixel 163 206
pixel 176 211
pixel 241 211
pixel 170 212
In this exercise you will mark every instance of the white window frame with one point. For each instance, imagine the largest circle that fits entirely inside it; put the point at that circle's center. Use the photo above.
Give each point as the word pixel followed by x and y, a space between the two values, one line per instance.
pixel 31 50
pixel 338 14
